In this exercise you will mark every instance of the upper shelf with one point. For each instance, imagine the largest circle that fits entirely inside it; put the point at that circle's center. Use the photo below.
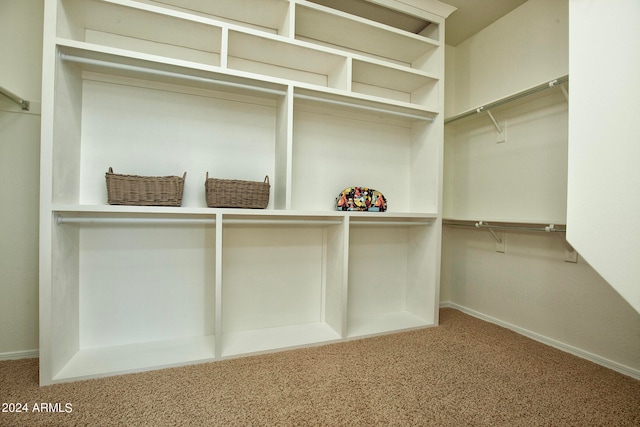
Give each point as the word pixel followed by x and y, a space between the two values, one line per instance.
pixel 196 25
pixel 265 15
pixel 122 63
pixel 132 26
pixel 399 67
pixel 351 105
pixel 280 58
pixel 336 28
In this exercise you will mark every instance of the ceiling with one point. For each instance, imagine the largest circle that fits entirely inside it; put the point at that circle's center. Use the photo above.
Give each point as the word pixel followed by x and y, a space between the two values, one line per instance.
pixel 474 15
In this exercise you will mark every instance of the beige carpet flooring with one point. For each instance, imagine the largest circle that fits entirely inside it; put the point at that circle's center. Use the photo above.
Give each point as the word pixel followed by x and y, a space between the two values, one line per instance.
pixel 465 372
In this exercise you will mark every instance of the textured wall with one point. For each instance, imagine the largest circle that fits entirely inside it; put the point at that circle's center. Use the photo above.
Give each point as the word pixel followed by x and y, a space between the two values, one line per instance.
pixel 21 51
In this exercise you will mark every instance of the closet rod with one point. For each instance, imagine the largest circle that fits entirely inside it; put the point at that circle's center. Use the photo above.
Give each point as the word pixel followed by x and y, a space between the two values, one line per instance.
pixel 392 223
pixel 527 92
pixel 551 228
pixel 126 67
pixel 281 222
pixel 24 104
pixel 363 107
pixel 124 221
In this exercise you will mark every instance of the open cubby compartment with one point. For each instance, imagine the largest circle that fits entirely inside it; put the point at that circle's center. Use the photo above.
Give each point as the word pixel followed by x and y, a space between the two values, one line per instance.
pixel 400 84
pixel 129 292
pixel 282 59
pixel 282 281
pixel 392 278
pixel 333 27
pixel 149 125
pixel 337 146
pixel 139 28
pixel 265 15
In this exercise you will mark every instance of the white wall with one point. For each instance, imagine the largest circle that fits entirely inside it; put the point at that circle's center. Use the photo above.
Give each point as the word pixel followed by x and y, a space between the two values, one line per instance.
pixel 529 288
pixel 525 48
pixel 21 51
pixel 604 140
pixel 519 180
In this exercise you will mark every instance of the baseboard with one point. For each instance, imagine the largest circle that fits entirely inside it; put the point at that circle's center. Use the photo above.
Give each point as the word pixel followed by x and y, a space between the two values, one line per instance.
pixel 625 370
pixel 13 355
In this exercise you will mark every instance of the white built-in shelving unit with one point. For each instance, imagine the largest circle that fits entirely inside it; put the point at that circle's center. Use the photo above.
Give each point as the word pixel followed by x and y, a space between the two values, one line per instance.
pixel 509 158
pixel 317 97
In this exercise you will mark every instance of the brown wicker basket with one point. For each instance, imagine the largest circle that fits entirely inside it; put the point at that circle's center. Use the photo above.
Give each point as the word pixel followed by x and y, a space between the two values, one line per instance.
pixel 144 190
pixel 232 193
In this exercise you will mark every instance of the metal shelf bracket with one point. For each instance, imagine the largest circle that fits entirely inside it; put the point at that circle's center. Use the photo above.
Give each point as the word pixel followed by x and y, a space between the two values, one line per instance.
pixel 24 104
pixel 570 254
pixel 500 240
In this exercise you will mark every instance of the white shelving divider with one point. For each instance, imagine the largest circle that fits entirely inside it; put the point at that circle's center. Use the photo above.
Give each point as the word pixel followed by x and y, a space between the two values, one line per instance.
pixel 160 87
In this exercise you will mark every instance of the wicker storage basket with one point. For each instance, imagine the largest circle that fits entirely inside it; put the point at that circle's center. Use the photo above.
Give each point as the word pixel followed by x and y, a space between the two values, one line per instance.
pixel 232 193
pixel 144 190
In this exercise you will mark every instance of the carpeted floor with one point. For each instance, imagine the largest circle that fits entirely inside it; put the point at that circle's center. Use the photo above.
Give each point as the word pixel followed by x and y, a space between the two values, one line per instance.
pixel 465 372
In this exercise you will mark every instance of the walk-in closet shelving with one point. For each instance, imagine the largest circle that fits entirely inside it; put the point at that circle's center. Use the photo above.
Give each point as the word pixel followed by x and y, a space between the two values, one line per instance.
pixel 386 81
pixel 167 87
pixel 136 27
pixel 514 170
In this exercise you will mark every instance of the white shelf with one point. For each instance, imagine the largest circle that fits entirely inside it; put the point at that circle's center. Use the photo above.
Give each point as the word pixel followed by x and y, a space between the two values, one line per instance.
pixel 280 58
pixel 118 25
pixel 269 339
pixel 266 15
pixel 394 83
pixel 102 361
pixel 70 210
pixel 361 106
pixel 395 91
pixel 152 68
pixel 336 28
pixel 318 99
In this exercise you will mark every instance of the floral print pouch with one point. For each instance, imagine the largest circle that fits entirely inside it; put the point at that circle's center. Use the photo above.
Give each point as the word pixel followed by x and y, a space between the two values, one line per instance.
pixel 361 199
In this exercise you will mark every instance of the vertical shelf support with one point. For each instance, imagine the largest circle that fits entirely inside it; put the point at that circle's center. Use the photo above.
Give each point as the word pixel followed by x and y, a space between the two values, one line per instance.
pixel 217 325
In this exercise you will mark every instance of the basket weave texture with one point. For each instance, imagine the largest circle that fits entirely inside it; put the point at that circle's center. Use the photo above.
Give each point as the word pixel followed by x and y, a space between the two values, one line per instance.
pixel 144 190
pixel 233 193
